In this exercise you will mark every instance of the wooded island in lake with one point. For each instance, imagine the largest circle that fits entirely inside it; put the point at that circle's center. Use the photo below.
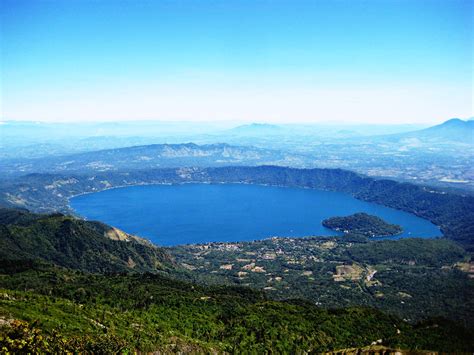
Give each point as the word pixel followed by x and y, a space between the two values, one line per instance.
pixel 364 224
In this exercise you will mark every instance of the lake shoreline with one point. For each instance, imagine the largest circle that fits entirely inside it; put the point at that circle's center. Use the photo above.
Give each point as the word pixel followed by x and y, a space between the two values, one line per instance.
pixel 259 235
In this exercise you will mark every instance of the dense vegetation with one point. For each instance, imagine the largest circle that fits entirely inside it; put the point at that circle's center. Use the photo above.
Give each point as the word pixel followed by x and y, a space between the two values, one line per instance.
pixel 106 313
pixel 453 213
pixel 363 224
pixel 414 279
pixel 48 308
pixel 74 243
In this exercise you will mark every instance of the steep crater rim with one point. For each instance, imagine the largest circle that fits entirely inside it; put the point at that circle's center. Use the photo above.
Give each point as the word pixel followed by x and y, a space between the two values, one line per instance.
pixel 453 213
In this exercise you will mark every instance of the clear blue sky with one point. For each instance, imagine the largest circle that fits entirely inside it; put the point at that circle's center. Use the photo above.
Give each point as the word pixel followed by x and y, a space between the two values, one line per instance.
pixel 276 61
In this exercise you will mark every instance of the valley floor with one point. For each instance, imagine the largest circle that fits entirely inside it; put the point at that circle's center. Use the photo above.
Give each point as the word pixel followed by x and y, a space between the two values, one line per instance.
pixel 411 278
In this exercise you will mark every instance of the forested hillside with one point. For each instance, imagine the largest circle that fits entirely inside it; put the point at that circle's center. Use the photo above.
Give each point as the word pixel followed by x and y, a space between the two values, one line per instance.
pixel 84 312
pixel 73 243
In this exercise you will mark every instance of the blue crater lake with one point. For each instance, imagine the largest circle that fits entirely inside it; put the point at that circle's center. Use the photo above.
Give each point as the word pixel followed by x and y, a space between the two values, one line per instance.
pixel 200 213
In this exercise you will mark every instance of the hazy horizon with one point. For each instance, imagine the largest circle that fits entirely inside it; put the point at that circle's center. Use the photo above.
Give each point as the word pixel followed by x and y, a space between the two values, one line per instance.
pixel 232 123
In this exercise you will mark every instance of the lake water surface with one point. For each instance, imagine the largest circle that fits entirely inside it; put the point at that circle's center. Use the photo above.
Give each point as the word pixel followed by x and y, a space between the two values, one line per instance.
pixel 200 213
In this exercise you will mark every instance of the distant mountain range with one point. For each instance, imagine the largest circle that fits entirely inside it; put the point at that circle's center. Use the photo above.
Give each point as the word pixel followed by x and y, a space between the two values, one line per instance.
pixel 453 131
pixel 255 144
pixel 153 156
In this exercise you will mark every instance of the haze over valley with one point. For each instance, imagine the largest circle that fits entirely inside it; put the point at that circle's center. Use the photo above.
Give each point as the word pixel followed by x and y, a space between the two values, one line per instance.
pixel 440 155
